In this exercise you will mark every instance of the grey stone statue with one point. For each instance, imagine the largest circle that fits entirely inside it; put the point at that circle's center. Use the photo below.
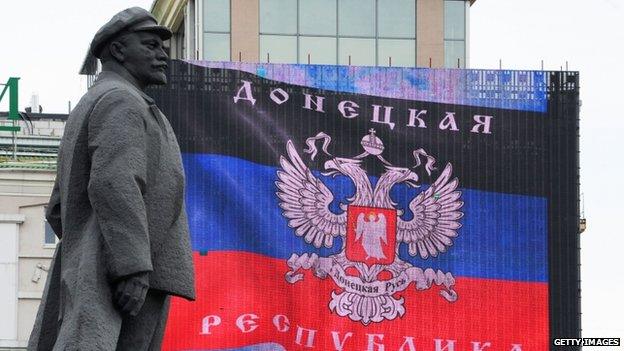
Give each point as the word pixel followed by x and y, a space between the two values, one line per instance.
pixel 117 205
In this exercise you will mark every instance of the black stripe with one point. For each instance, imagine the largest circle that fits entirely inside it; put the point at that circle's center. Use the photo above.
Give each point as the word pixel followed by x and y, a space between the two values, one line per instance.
pixel 199 102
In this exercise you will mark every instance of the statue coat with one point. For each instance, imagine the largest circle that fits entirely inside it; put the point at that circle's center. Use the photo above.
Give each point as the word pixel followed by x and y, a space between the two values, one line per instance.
pixel 118 207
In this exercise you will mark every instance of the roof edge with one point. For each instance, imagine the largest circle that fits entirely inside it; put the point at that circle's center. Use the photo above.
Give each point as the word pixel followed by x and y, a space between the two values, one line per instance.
pixel 169 13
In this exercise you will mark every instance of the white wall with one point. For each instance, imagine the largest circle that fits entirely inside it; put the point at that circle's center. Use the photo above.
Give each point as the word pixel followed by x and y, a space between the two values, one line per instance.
pixel 9 230
pixel 34 260
pixel 23 195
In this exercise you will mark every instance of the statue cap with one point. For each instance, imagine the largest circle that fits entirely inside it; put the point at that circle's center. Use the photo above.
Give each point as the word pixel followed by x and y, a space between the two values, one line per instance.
pixel 132 19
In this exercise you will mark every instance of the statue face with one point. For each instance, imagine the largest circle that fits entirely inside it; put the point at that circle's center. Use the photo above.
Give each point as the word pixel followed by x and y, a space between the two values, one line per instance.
pixel 145 57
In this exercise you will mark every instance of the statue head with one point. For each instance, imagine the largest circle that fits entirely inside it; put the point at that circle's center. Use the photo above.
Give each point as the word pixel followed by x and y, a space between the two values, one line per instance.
pixel 131 44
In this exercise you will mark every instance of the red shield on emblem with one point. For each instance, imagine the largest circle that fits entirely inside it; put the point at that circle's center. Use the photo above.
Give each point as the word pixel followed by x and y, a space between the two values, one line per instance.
pixel 371 234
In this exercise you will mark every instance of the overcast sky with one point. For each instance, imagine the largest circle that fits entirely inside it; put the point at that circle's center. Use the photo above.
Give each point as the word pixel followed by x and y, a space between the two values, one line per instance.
pixel 44 43
pixel 590 36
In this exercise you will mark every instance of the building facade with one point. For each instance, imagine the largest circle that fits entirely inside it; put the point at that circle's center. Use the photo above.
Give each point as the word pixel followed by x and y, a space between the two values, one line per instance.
pixel 28 244
pixel 406 33
pixel 27 171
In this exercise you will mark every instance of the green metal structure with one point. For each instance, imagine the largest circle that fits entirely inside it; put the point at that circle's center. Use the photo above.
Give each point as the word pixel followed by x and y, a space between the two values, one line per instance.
pixel 13 87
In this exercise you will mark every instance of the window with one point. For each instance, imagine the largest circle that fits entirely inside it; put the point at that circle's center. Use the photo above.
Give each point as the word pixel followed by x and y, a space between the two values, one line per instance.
pixel 397 19
pixel 49 238
pixel 454 19
pixel 322 50
pixel 216 36
pixel 217 16
pixel 278 17
pixel 453 51
pixel 278 48
pixel 402 52
pixel 317 17
pixel 356 18
pixel 357 51
pixel 216 47
pixel 455 33
pixel 357 32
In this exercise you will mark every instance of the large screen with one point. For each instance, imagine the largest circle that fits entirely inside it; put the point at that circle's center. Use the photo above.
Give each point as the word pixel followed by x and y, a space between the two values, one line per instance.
pixel 367 208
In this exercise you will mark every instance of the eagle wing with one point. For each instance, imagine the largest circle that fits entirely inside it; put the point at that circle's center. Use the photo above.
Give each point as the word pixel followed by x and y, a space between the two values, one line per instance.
pixel 360 226
pixel 306 200
pixel 436 217
pixel 381 227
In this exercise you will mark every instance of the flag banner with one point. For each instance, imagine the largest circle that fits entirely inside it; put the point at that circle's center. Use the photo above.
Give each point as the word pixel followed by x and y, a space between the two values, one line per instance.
pixel 368 208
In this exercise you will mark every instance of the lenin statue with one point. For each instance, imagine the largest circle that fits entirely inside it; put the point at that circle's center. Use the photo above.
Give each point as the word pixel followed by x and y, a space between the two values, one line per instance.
pixel 117 205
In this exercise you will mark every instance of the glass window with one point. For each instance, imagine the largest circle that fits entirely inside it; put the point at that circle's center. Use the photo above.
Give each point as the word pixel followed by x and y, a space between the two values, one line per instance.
pixel 454 20
pixel 356 18
pixel 281 48
pixel 278 16
pixel 396 18
pixel 402 51
pixel 322 50
pixel 216 15
pixel 50 237
pixel 362 51
pixel 453 50
pixel 181 42
pixel 317 17
pixel 216 47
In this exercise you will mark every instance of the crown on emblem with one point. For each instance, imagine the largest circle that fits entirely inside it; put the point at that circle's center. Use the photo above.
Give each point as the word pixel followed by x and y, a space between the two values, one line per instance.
pixel 372 144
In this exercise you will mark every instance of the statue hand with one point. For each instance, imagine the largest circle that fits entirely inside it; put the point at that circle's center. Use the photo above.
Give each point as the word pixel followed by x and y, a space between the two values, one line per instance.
pixel 130 293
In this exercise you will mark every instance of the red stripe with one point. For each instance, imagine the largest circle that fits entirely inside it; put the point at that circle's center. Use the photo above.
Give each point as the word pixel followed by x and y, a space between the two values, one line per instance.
pixel 231 284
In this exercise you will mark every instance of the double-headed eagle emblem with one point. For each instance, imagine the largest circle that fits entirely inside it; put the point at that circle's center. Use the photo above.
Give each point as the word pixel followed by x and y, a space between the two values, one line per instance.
pixel 368 270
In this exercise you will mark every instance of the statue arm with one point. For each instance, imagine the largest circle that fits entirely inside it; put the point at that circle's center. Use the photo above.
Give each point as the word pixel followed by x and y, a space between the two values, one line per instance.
pixel 53 211
pixel 117 146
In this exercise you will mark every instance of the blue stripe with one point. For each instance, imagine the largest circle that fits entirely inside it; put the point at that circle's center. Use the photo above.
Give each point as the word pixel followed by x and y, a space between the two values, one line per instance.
pixel 232 205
